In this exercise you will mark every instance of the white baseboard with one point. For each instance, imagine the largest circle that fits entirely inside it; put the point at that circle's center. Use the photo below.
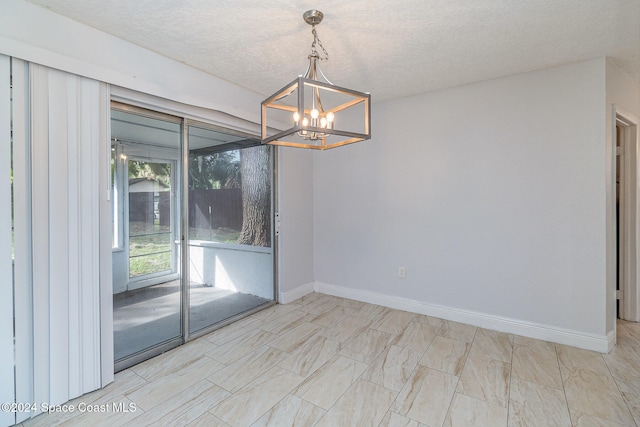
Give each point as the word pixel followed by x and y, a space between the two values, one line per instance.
pixel 602 344
pixel 294 294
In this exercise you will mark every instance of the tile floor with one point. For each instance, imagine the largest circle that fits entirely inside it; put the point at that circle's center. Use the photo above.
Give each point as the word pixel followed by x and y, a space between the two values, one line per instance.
pixel 328 361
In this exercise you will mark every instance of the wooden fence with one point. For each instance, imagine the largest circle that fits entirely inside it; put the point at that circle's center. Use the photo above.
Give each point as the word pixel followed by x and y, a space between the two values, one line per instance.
pixel 207 208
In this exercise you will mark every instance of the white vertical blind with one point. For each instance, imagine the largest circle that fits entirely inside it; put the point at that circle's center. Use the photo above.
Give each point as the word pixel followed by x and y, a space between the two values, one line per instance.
pixel 6 263
pixel 39 122
pixel 66 150
pixel 22 234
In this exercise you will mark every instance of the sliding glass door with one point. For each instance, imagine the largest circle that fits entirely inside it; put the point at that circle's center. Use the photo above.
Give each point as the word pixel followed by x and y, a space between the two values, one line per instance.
pixel 192 234
pixel 230 251
pixel 147 285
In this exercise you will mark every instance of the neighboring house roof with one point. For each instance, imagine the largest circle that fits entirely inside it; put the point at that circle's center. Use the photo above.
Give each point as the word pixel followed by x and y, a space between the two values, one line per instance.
pixel 140 185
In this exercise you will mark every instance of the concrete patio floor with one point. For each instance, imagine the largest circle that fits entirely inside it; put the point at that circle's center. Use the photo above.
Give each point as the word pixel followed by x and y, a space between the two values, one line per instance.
pixel 149 316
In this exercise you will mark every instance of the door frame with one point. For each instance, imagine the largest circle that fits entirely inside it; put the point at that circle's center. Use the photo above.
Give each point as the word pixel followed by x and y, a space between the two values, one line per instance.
pixel 628 222
pixel 151 279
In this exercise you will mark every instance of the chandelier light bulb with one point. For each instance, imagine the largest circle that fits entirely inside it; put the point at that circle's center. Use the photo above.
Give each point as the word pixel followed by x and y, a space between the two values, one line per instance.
pixel 330 120
pixel 323 122
pixel 305 122
pixel 314 113
pixel 296 117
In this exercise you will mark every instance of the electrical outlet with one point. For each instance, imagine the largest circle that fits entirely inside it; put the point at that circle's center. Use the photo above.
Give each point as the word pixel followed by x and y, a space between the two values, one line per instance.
pixel 402 273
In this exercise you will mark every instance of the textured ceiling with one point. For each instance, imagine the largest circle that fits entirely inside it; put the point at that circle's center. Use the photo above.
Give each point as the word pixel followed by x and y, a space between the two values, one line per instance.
pixel 389 48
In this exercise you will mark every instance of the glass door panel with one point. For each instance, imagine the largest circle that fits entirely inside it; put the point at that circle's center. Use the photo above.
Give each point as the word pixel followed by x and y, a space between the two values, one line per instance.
pixel 151 249
pixel 230 250
pixel 147 281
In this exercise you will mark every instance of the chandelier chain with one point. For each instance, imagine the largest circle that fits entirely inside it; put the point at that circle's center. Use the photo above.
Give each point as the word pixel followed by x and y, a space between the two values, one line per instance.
pixel 316 40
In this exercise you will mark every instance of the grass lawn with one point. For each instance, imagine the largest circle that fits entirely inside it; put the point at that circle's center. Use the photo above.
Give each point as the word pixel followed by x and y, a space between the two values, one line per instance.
pixel 149 248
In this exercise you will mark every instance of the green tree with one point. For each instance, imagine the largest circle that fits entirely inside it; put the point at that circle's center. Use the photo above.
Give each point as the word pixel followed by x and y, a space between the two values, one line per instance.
pixel 160 172
pixel 212 171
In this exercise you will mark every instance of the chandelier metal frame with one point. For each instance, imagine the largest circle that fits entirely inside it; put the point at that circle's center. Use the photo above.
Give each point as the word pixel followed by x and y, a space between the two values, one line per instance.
pixel 315 125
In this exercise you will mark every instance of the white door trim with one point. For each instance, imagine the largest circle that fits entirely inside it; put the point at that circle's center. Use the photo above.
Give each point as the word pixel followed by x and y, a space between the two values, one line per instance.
pixel 630 306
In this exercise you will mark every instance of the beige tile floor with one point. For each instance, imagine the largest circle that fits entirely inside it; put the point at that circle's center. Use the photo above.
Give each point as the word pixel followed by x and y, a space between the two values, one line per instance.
pixel 329 361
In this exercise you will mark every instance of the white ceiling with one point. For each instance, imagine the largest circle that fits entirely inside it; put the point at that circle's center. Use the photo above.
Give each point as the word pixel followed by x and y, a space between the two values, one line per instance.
pixel 389 48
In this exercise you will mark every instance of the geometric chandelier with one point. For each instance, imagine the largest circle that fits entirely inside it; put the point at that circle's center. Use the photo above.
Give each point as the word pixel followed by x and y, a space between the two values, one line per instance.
pixel 314 113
